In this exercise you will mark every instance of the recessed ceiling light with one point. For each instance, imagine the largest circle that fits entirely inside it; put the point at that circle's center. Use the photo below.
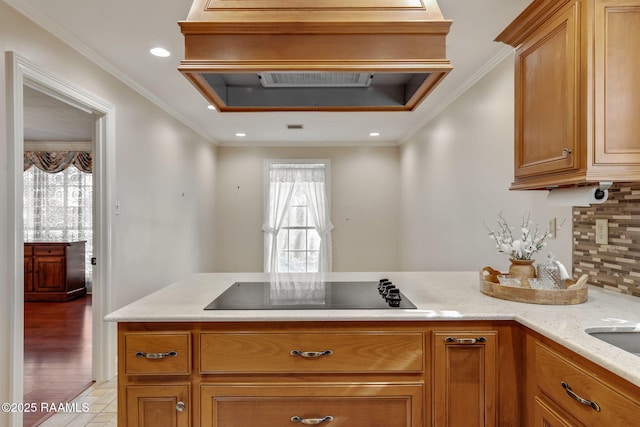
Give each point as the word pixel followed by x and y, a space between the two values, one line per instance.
pixel 240 134
pixel 160 51
pixel 212 107
pixel 374 134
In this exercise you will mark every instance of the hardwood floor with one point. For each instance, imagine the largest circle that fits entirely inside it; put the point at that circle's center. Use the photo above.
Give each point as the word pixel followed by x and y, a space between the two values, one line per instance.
pixel 57 354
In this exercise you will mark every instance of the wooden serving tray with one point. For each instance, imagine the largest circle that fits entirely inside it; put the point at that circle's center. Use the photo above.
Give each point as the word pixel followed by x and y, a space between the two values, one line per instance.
pixel 489 286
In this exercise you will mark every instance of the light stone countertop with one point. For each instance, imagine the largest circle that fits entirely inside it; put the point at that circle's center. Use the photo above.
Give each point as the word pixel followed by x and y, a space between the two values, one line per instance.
pixel 437 296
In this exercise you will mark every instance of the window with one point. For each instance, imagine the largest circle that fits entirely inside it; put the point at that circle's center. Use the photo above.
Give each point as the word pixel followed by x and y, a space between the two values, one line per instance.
pixel 298 241
pixel 297 222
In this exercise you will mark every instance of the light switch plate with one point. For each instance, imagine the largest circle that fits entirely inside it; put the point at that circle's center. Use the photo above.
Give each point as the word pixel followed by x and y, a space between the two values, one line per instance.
pixel 553 228
pixel 602 231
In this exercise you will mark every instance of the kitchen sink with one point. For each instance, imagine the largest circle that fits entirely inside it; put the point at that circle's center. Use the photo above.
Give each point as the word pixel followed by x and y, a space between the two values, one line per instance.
pixel 626 338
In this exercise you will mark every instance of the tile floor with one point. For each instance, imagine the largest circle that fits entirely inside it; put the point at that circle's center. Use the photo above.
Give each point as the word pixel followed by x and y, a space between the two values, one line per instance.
pixel 103 408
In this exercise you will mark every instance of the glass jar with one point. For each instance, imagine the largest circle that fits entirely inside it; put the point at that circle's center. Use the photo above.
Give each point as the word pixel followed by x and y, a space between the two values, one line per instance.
pixel 550 270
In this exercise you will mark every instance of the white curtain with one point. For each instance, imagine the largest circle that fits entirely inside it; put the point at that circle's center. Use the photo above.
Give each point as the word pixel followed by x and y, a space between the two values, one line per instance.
pixel 315 191
pixel 58 207
pixel 283 179
pixel 281 183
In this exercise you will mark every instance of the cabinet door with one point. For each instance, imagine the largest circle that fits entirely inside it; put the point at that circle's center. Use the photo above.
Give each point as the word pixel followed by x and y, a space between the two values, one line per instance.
pixel 28 274
pixel 546 417
pixel 617 65
pixel 464 378
pixel 49 274
pixel 158 406
pixel 547 98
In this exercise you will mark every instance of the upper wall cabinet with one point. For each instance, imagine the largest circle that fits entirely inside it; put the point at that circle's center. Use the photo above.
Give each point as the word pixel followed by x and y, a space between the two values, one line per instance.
pixel 577 92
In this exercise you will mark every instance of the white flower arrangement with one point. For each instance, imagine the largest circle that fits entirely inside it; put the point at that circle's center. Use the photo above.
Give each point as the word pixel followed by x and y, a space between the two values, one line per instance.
pixel 530 241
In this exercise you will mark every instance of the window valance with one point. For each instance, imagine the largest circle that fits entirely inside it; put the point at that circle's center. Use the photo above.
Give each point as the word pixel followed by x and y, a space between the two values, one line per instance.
pixel 57 161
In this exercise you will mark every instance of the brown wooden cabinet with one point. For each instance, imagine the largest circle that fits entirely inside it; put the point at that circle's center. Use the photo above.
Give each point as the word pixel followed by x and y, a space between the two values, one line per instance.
pixel 465 378
pixel 161 360
pixel 339 373
pixel 562 388
pixel 392 374
pixel 334 398
pixel 275 375
pixel 576 92
pixel 54 271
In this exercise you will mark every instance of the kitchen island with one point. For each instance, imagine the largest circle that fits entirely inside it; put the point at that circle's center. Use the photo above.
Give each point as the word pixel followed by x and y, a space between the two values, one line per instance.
pixel 505 344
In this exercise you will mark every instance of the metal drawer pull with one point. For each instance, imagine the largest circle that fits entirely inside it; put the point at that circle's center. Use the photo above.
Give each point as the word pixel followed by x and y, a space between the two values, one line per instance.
pixel 297 419
pixel 311 354
pixel 579 399
pixel 180 406
pixel 143 355
pixel 465 340
pixel 566 152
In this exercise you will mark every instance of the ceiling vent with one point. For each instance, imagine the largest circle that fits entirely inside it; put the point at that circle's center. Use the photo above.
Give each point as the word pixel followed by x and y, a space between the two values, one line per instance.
pixel 325 55
pixel 314 79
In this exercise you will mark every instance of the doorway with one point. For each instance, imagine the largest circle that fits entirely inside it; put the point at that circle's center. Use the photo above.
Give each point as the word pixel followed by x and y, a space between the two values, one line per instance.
pixel 23 74
pixel 58 235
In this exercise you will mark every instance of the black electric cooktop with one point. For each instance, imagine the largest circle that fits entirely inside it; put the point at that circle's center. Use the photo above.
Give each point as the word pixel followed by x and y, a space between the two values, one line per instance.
pixel 309 295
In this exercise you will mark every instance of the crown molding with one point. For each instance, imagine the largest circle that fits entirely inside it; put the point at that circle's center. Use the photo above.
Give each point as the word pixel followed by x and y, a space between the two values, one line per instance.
pixel 48 24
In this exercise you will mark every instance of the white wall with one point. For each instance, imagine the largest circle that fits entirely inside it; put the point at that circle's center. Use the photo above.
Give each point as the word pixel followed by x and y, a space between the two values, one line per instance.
pixel 165 189
pixel 364 205
pixel 159 235
pixel 455 175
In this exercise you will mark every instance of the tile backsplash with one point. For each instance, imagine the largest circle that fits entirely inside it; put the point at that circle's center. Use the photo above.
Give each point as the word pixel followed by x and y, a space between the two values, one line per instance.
pixel 615 265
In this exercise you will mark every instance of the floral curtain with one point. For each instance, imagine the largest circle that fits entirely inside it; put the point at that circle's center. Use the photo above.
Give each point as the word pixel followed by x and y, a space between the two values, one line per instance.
pixel 58 199
pixel 56 161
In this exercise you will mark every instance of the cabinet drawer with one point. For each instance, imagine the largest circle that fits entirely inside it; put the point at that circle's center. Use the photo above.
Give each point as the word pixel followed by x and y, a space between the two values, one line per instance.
pixel 348 405
pixel 615 409
pixel 157 353
pixel 351 352
pixel 544 415
pixel 48 250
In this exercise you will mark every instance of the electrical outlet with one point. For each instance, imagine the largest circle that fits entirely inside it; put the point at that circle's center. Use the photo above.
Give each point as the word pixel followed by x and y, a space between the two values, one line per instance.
pixel 552 227
pixel 602 231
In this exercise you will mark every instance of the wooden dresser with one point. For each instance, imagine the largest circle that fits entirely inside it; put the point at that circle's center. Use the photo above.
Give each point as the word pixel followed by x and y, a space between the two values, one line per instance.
pixel 54 271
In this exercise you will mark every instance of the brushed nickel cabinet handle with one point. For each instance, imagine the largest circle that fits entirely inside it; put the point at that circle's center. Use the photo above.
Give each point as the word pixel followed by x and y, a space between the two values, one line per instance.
pixel 311 354
pixel 180 406
pixel 579 399
pixel 465 341
pixel 309 421
pixel 566 152
pixel 143 355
